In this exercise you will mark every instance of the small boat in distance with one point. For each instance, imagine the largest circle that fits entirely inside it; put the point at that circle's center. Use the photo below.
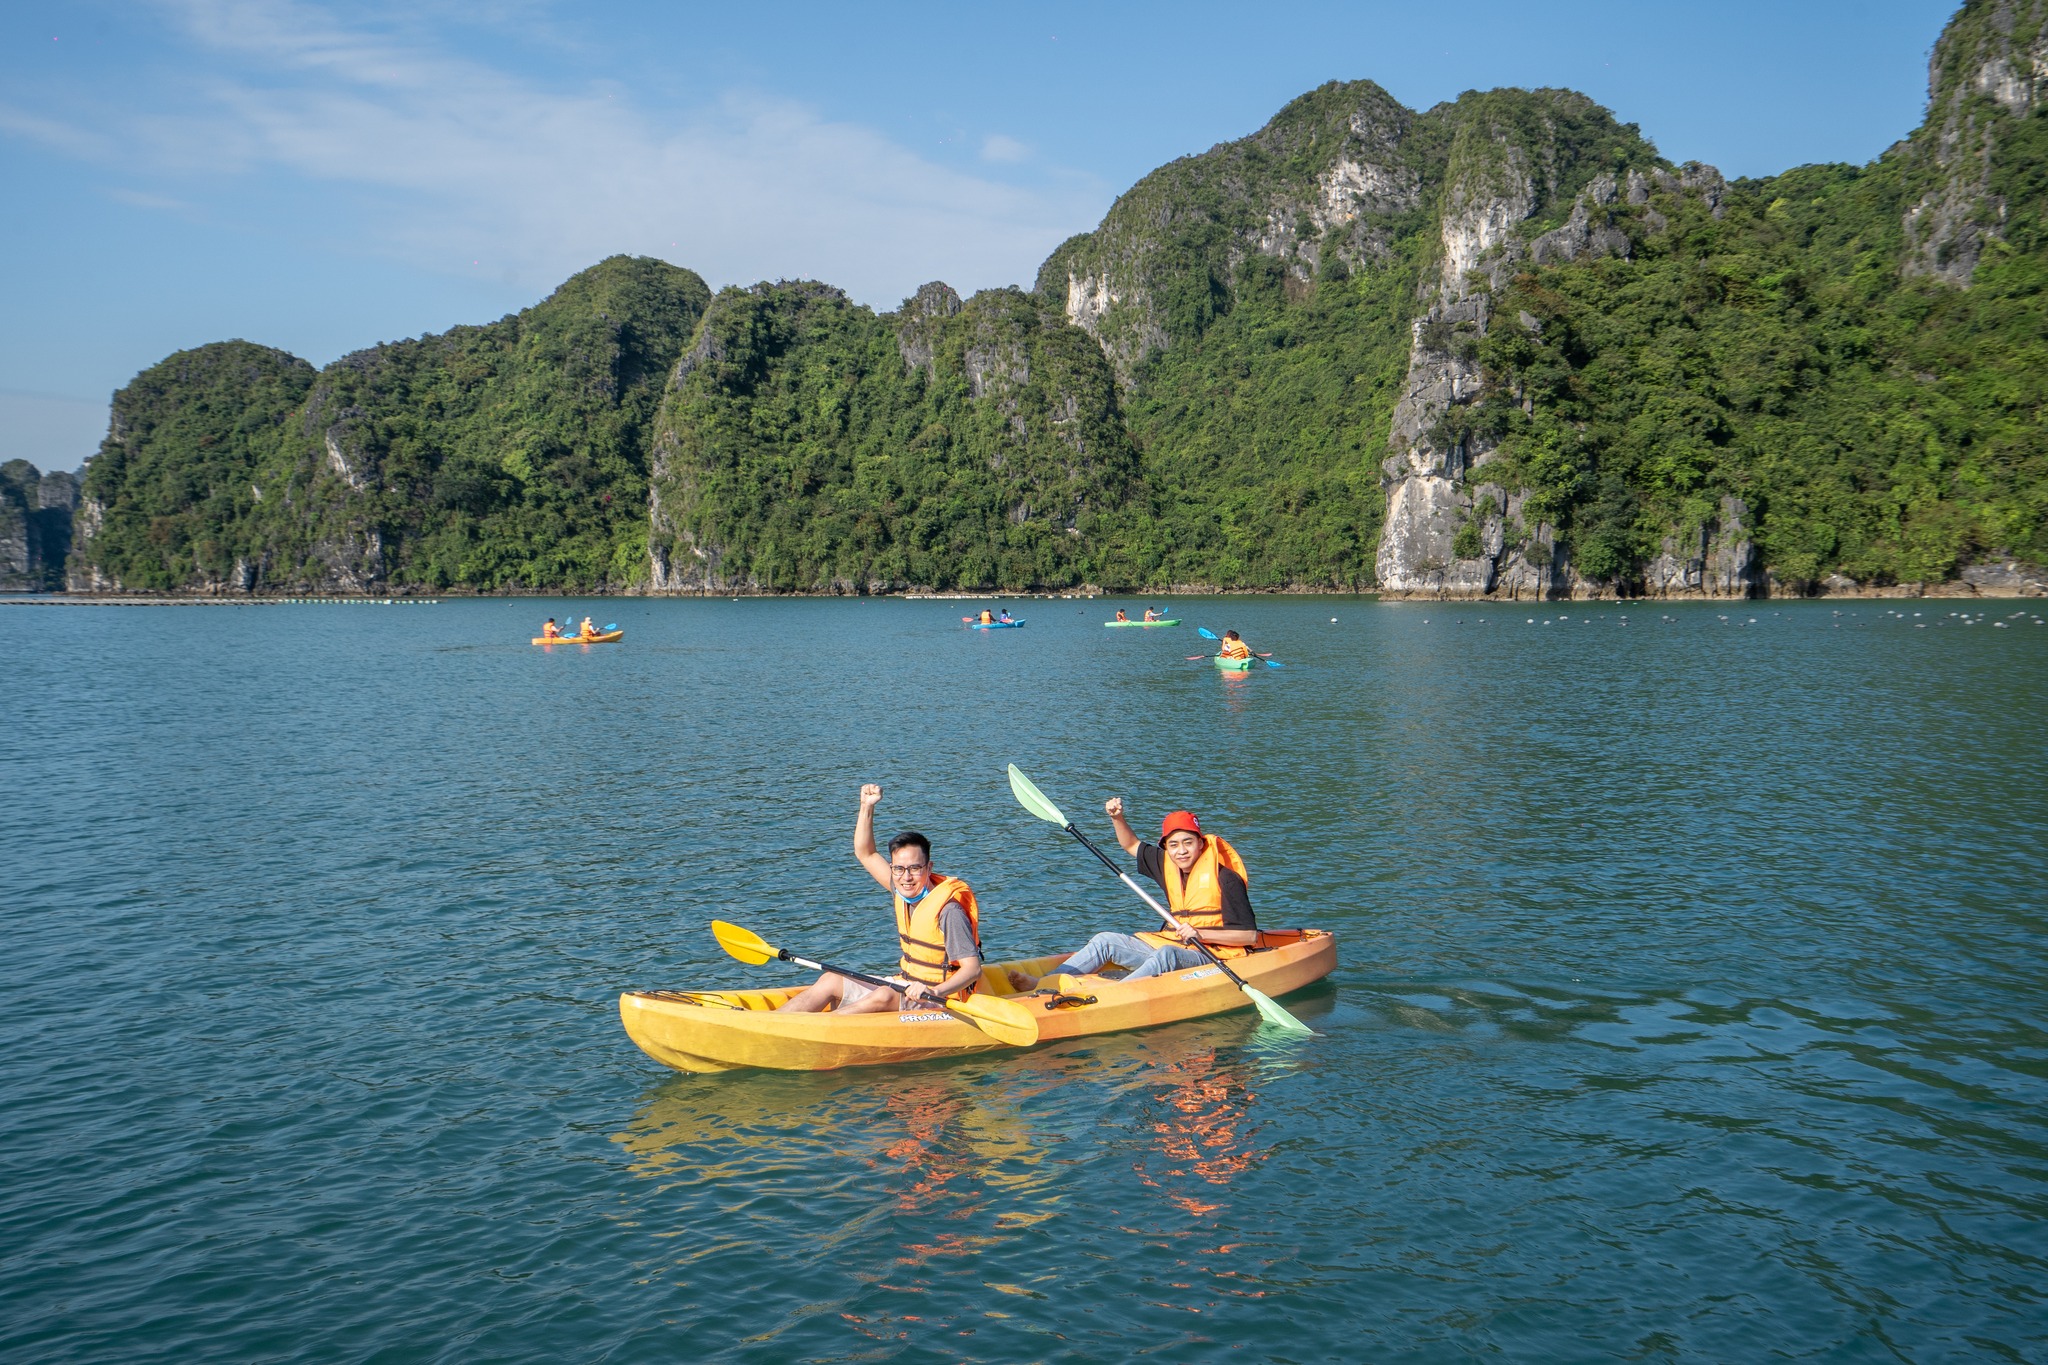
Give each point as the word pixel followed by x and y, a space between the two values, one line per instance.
pixel 610 637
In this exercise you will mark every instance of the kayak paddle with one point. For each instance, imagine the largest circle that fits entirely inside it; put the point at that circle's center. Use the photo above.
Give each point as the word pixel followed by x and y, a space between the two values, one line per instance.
pixel 1034 800
pixel 1208 634
pixel 1000 1019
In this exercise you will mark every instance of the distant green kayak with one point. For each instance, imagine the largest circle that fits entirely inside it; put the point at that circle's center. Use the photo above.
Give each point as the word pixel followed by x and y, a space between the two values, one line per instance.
pixel 1234 665
pixel 1174 622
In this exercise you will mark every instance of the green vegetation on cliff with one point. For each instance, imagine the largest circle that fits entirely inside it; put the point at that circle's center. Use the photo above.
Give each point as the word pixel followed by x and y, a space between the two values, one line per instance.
pixel 1262 436
pixel 1269 363
pixel 810 443
pixel 1883 429
pixel 168 497
pixel 511 455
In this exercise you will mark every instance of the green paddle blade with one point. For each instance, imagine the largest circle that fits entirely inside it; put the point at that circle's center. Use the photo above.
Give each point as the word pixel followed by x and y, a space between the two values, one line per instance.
pixel 744 944
pixel 1006 1021
pixel 1271 1012
pixel 1034 800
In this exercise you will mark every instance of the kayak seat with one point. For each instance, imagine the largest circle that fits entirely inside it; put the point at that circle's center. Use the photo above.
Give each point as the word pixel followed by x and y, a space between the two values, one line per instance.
pixel 1018 975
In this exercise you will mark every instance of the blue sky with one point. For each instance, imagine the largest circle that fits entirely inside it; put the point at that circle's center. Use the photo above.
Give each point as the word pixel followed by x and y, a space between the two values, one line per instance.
pixel 323 177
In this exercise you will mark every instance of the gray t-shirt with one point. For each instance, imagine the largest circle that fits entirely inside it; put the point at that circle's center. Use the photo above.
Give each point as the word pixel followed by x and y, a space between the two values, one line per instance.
pixel 960 944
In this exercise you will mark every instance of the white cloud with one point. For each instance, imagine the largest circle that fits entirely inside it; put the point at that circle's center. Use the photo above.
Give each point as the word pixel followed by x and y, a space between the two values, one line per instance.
pixel 51 133
pixel 996 147
pixel 142 199
pixel 447 161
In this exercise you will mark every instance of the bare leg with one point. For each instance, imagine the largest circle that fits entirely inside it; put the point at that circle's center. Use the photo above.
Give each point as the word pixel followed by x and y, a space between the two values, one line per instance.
pixel 876 1001
pixel 821 994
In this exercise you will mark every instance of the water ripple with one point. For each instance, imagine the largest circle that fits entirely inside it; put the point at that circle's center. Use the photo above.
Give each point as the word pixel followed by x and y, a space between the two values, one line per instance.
pixel 1690 1005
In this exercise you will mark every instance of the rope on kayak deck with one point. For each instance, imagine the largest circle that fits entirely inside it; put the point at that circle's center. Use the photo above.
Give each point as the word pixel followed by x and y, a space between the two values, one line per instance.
pixel 1062 1001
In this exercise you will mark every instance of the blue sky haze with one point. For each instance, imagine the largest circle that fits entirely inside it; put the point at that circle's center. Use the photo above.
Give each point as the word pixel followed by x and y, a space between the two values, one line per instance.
pixel 324 177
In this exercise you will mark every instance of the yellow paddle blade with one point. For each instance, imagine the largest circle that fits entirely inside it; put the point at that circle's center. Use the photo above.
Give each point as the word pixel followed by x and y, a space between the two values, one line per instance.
pixel 744 944
pixel 1003 1020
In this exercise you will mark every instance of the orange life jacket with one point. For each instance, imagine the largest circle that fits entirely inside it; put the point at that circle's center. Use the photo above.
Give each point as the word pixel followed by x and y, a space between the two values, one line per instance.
pixel 922 943
pixel 1236 649
pixel 1196 899
pixel 987 616
pixel 551 631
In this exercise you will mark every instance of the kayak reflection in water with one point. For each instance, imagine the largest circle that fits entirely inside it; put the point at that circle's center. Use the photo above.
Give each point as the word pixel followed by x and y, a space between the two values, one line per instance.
pixel 1207 888
pixel 938 927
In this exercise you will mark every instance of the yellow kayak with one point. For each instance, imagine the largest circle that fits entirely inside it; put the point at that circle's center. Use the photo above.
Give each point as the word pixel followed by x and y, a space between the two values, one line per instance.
pixel 728 1030
pixel 611 638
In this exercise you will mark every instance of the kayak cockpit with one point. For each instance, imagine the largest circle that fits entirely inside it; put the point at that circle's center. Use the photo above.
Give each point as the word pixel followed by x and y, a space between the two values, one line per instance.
pixel 1000 978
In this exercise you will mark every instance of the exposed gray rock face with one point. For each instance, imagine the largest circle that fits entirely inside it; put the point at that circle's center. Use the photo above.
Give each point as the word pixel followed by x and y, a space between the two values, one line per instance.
pixel 1731 569
pixel 2006 578
pixel 15 554
pixel 35 526
pixel 57 491
pixel 1988 69
pixel 336 426
pixel 1716 560
pixel 1323 183
pixel 1590 231
pixel 919 320
pixel 1482 246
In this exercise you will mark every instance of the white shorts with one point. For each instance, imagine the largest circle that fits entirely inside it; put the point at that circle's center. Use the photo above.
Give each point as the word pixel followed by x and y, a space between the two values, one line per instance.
pixel 853 992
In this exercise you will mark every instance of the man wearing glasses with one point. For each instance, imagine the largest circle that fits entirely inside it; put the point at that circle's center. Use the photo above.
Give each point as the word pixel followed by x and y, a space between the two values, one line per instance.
pixel 938 927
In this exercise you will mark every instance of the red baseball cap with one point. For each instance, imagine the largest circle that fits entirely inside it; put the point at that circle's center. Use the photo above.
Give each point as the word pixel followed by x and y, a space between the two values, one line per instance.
pixel 1179 820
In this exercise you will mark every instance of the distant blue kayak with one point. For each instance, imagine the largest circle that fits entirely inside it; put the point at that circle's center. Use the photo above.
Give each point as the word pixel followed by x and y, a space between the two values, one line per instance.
pixel 994 625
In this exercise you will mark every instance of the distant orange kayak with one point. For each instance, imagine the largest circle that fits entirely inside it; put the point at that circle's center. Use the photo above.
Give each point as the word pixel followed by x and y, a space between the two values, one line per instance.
pixel 612 638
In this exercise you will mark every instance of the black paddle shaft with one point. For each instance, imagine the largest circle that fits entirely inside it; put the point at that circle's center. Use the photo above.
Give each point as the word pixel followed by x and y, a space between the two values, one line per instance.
pixel 1107 862
pixel 787 956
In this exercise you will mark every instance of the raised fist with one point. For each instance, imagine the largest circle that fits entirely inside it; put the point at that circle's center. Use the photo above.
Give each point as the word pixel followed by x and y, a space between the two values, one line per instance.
pixel 870 795
pixel 1114 807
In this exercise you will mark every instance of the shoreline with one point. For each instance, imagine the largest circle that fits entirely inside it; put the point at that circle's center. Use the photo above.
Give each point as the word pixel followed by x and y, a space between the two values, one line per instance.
pixel 1950 590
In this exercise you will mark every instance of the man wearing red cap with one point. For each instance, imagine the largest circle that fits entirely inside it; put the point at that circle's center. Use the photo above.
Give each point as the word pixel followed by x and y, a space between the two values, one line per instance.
pixel 1207 889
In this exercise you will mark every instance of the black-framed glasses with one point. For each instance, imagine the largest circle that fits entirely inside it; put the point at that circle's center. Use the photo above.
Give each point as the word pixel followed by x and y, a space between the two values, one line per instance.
pixel 905 869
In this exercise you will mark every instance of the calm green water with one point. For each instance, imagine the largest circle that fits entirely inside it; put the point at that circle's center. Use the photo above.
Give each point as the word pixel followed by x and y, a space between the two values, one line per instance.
pixel 1691 1007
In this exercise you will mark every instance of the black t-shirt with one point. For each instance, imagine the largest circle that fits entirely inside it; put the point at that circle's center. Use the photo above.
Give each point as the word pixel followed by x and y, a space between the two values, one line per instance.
pixel 1237 898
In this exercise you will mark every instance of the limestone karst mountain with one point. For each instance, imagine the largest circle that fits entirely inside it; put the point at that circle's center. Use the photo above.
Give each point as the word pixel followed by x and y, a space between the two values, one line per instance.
pixel 1498 347
pixel 35 526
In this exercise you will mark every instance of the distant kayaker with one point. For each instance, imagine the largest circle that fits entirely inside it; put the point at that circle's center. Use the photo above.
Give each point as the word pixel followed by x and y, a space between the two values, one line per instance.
pixel 551 631
pixel 1151 615
pixel 938 927
pixel 1003 616
pixel 988 618
pixel 587 628
pixel 1234 648
pixel 1123 615
pixel 1207 888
